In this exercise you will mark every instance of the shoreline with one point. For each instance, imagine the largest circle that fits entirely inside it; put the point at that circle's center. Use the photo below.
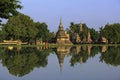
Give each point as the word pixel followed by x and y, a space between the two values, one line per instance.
pixel 55 45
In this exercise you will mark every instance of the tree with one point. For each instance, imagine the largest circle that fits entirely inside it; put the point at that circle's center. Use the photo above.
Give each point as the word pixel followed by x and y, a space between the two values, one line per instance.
pixel 75 29
pixel 20 27
pixel 94 34
pixel 2 35
pixel 43 32
pixel 52 37
pixel 111 32
pixel 9 8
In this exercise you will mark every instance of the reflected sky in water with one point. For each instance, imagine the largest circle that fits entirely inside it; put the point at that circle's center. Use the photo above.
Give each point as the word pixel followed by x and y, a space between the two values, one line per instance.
pixel 61 63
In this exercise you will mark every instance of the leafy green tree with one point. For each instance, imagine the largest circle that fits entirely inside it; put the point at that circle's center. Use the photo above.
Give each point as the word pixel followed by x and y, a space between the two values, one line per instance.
pixel 75 28
pixel 43 32
pixel 20 27
pixel 52 37
pixel 9 8
pixel 2 35
pixel 84 33
pixel 94 34
pixel 111 32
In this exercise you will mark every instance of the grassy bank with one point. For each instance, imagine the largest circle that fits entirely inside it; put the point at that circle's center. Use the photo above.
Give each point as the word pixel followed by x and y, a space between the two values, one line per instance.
pixel 55 45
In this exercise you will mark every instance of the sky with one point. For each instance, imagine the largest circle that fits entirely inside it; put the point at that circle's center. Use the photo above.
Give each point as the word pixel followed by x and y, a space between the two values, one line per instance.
pixel 94 13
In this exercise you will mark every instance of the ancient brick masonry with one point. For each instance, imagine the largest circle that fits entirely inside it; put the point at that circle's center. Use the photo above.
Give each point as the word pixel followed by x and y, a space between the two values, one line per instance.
pixel 61 36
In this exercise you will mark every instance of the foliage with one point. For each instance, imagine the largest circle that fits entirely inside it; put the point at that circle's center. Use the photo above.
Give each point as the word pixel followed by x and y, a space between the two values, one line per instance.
pixel 2 35
pixel 94 34
pixel 20 27
pixel 75 28
pixel 43 32
pixel 9 8
pixel 51 37
pixel 111 32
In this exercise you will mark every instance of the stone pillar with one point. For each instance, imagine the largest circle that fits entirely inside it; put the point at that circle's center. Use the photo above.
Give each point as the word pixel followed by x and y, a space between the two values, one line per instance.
pixel 89 38
pixel 78 38
pixel 81 28
pixel 104 40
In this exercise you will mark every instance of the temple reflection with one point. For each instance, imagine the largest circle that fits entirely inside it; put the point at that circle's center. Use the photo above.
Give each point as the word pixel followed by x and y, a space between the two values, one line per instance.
pixel 61 52
pixel 21 61
pixel 78 49
pixel 80 54
pixel 10 47
pixel 104 48
pixel 89 49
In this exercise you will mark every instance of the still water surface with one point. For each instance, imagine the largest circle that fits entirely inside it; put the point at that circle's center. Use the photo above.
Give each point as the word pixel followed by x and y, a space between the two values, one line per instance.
pixel 61 63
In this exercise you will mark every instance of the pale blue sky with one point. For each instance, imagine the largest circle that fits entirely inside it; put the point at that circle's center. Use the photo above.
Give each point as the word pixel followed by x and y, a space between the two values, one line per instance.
pixel 95 13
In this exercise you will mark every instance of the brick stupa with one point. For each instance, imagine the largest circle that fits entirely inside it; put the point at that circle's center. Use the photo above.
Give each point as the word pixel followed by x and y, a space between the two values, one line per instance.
pixel 61 36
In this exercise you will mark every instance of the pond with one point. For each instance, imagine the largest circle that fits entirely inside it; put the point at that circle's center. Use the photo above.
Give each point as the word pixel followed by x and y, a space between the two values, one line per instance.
pixel 60 63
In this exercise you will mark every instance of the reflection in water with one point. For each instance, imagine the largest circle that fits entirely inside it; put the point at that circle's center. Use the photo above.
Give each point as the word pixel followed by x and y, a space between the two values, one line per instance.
pixel 61 52
pixel 10 47
pixel 104 48
pixel 111 56
pixel 78 49
pixel 89 49
pixel 22 60
pixel 80 54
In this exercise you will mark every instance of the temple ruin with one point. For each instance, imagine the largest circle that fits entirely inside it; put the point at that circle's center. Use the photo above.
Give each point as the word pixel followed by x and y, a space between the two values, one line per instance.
pixel 61 36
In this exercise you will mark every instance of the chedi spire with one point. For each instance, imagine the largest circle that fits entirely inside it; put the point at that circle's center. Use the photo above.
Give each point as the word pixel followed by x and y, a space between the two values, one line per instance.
pixel 61 36
pixel 61 26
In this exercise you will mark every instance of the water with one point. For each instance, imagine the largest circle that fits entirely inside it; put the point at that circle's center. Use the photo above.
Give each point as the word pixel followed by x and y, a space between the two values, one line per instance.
pixel 61 63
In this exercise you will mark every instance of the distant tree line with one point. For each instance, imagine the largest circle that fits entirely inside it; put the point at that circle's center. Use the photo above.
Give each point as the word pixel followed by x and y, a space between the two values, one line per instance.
pixel 110 32
pixel 81 31
pixel 22 27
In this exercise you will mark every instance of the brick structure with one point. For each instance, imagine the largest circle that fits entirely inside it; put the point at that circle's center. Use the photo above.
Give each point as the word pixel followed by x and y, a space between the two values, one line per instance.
pixel 61 36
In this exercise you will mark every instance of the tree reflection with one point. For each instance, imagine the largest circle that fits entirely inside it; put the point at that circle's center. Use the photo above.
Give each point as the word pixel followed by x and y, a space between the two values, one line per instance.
pixel 22 62
pixel 111 56
pixel 80 54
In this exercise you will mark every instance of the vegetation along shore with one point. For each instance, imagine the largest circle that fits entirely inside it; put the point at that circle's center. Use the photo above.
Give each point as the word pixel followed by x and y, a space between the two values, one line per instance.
pixel 21 29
